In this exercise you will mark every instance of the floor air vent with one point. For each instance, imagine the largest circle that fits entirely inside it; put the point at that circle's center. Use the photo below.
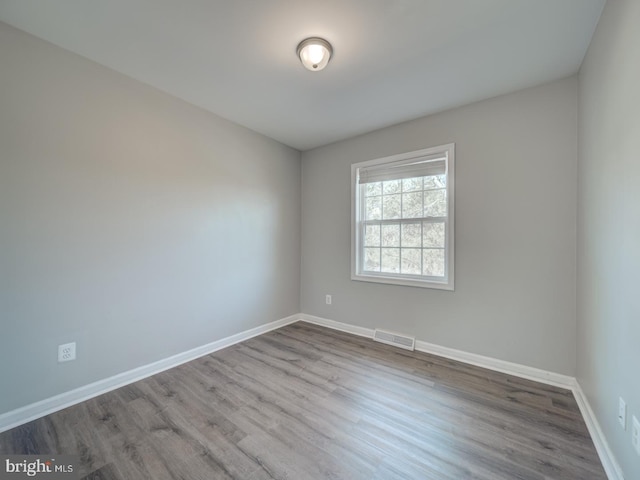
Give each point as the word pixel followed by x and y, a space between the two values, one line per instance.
pixel 402 341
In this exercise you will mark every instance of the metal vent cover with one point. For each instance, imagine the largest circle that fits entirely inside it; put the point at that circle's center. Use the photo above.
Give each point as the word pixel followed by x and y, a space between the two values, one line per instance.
pixel 390 338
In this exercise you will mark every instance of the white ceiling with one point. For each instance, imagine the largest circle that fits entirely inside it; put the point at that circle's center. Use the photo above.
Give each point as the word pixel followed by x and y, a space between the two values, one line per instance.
pixel 394 60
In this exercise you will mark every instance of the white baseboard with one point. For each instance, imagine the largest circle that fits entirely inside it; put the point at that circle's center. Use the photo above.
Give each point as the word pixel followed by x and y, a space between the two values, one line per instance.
pixel 522 371
pixel 510 368
pixel 609 462
pixel 342 327
pixel 39 409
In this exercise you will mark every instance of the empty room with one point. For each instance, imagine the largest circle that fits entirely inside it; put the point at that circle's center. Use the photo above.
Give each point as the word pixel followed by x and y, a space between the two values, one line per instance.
pixel 339 239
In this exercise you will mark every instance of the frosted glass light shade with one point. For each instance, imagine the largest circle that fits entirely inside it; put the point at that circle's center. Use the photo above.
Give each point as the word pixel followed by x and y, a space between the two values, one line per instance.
pixel 314 53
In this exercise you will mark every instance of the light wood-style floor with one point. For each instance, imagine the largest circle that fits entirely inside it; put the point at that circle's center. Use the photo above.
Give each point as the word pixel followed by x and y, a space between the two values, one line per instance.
pixel 305 402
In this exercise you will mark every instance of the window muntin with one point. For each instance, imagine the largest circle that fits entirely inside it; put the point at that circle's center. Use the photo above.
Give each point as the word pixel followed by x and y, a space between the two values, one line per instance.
pixel 403 219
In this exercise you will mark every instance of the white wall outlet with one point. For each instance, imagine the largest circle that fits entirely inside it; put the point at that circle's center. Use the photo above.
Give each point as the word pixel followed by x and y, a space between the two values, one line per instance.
pixel 328 299
pixel 67 352
pixel 622 413
pixel 635 434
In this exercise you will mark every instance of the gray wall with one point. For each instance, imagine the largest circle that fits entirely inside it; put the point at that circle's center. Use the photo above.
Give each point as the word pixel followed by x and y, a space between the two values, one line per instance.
pixel 516 161
pixel 609 225
pixel 133 223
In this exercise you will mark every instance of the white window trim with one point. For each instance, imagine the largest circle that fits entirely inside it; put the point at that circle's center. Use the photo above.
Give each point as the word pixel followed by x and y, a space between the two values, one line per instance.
pixel 442 284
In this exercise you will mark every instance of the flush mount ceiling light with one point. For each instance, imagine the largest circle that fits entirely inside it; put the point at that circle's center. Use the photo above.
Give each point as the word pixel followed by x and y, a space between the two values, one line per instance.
pixel 314 53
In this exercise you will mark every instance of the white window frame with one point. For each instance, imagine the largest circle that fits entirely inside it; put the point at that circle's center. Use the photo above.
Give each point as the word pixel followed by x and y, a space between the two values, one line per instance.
pixel 357 229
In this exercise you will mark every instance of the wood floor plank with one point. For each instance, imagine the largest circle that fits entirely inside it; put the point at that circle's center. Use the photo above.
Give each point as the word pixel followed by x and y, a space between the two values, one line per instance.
pixel 108 472
pixel 304 402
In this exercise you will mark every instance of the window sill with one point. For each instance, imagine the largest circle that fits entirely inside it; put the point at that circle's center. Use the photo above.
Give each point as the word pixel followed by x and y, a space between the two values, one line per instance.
pixel 406 282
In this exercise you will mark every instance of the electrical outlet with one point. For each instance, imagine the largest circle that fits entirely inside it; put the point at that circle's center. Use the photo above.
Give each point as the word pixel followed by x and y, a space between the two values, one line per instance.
pixel 66 352
pixel 328 299
pixel 622 413
pixel 635 434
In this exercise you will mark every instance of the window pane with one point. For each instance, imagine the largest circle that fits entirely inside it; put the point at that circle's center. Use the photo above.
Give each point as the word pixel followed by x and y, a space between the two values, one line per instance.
pixel 435 181
pixel 391 235
pixel 390 260
pixel 372 259
pixel 411 235
pixel 433 234
pixel 435 203
pixel 373 206
pixel 373 189
pixel 433 262
pixel 391 186
pixel 411 263
pixel 412 205
pixel 372 236
pixel 412 184
pixel 391 206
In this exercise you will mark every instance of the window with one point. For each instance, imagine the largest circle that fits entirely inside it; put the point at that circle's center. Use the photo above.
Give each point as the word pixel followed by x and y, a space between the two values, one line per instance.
pixel 402 224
